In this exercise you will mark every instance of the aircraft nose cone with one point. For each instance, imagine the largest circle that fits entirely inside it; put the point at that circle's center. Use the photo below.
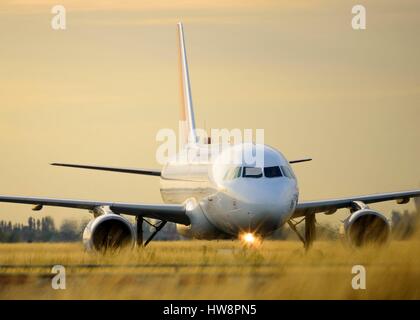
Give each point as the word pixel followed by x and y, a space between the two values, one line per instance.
pixel 267 201
pixel 266 208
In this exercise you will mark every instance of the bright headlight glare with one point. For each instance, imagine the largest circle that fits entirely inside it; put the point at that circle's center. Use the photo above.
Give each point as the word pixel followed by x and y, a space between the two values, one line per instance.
pixel 250 239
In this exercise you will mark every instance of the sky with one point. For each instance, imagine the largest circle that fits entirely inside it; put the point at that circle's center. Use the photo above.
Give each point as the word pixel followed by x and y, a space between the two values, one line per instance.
pixel 99 91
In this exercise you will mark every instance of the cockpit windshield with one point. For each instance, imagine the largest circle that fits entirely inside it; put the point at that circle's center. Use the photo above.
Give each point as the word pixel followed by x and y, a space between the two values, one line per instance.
pixel 252 172
pixel 233 173
pixel 287 172
pixel 258 172
pixel 272 172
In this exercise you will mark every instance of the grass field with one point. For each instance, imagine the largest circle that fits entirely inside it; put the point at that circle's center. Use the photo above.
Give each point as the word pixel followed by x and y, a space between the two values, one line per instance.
pixel 212 270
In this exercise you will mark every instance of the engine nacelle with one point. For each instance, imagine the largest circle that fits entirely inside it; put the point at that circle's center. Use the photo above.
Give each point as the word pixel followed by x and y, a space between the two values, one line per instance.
pixel 366 226
pixel 109 231
pixel 200 227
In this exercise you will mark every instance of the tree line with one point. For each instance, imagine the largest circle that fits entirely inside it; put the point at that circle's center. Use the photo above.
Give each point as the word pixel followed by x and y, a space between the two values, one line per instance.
pixel 45 230
pixel 41 230
pixel 404 225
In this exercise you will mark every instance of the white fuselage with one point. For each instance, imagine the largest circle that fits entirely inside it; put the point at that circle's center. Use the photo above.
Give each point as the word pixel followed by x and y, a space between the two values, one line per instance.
pixel 221 206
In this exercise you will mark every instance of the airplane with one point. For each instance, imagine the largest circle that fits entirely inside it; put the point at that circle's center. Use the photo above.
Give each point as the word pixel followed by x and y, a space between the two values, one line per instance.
pixel 212 200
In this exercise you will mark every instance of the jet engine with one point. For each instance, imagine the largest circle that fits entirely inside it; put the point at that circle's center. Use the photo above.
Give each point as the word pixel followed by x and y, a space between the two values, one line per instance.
pixel 108 231
pixel 366 226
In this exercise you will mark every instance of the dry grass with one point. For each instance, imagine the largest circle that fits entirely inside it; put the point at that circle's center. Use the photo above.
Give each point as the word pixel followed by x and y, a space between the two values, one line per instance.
pixel 211 270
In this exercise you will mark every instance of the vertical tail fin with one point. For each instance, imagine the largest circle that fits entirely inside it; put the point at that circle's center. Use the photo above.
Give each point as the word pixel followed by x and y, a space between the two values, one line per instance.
pixel 187 111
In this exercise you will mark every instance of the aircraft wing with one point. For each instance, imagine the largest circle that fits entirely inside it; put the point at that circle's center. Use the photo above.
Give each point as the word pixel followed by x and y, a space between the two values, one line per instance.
pixel 300 160
pixel 148 172
pixel 166 212
pixel 330 206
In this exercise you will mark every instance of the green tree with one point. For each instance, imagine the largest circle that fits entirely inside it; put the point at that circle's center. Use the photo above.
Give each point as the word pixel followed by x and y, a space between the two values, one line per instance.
pixel 69 230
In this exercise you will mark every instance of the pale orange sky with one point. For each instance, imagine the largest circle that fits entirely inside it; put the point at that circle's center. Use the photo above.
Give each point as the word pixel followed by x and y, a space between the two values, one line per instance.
pixel 99 91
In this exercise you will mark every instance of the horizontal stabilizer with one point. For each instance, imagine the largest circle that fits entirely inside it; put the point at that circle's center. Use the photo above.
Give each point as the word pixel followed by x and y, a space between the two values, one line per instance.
pixel 147 172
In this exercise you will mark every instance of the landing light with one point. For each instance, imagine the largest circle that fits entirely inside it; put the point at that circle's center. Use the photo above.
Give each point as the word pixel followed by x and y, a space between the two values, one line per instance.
pixel 249 239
